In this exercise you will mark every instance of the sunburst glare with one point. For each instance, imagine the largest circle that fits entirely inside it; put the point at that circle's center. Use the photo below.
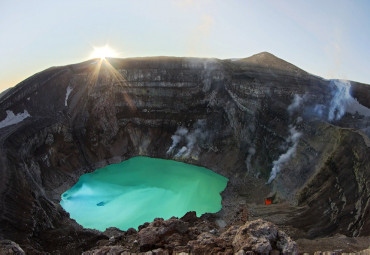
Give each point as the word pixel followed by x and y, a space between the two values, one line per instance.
pixel 103 52
pixel 103 67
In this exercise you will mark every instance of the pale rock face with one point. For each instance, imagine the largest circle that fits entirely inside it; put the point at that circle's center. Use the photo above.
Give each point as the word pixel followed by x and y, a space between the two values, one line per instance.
pixel 262 237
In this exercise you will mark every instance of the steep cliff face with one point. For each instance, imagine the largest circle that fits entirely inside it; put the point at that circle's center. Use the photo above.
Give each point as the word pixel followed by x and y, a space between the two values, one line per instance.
pixel 268 126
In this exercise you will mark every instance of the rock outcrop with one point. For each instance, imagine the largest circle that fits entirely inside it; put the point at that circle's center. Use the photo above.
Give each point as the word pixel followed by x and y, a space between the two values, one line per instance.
pixel 10 247
pixel 192 235
pixel 270 127
pixel 262 237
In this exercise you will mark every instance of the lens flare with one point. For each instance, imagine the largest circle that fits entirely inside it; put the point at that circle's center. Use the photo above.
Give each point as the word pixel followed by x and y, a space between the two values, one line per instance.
pixel 103 52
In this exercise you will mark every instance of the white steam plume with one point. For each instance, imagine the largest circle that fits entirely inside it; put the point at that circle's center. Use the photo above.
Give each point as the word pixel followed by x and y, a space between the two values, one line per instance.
pixel 251 152
pixel 343 102
pixel 190 138
pixel 292 139
pixel 277 164
pixel 319 109
pixel 295 104
pixel 181 151
pixel 340 103
pixel 176 138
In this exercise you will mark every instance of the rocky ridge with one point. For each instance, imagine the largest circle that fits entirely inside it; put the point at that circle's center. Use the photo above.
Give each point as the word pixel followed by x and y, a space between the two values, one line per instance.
pixel 195 235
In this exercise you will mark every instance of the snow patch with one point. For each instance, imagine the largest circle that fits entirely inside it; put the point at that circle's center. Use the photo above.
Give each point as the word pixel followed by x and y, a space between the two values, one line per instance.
pixel 12 119
pixel 69 90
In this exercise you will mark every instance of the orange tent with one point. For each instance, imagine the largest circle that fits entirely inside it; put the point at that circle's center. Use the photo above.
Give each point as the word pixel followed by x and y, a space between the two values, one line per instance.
pixel 268 201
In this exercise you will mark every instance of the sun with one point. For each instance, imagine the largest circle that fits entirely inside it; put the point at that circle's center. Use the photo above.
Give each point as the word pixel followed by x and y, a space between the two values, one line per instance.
pixel 103 52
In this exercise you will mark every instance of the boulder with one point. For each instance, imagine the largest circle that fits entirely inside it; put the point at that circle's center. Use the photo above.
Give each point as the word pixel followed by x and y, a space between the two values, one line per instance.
pixel 262 237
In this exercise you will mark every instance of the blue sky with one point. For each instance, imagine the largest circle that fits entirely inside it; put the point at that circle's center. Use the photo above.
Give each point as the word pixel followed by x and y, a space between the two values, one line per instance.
pixel 326 38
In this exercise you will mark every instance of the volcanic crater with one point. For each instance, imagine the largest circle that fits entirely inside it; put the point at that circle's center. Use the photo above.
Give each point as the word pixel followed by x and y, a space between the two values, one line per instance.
pixel 274 130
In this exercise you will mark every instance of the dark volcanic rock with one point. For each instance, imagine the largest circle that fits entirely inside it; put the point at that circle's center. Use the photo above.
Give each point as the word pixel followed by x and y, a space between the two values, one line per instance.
pixel 244 117
pixel 160 233
pixel 174 236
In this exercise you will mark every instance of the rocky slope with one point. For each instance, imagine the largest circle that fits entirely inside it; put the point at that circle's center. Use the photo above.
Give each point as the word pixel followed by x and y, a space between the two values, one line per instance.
pixel 197 236
pixel 270 127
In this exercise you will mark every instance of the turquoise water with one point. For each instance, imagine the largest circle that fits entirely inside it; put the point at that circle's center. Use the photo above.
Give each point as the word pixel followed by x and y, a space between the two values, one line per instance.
pixel 137 190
